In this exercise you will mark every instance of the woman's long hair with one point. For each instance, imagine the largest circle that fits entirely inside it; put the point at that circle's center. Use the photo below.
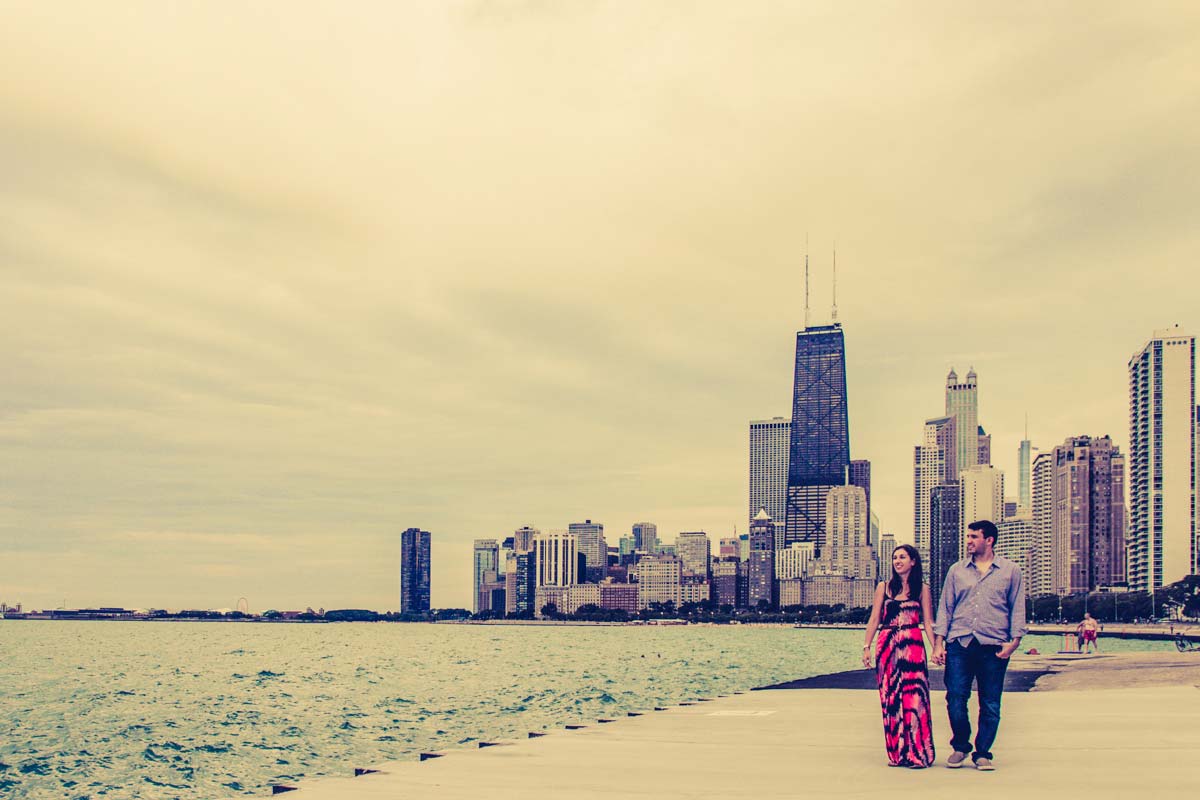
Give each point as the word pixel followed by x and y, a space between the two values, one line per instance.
pixel 915 577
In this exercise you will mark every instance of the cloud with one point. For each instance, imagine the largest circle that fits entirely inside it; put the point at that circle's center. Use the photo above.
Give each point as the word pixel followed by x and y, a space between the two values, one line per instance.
pixel 285 286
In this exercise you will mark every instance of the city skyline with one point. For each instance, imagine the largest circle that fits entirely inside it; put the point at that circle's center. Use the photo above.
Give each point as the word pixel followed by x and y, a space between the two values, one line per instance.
pixel 466 269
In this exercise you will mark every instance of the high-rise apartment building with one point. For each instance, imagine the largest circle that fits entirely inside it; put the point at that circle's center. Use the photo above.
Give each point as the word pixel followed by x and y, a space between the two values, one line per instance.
pixel 414 570
pixel 487 557
pixel 769 443
pixel 660 580
pixel 523 539
pixel 962 403
pixel 1088 522
pixel 724 580
pixel 1163 546
pixel 883 556
pixel 557 556
pixel 819 446
pixel 590 538
pixel 694 551
pixel 761 586
pixel 792 562
pixel 1040 575
pixel 1017 537
pixel 981 496
pixel 848 551
pixel 934 463
pixel 645 537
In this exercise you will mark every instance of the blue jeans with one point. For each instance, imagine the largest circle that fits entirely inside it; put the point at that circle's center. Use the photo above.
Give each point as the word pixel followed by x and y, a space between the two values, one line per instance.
pixel 976 663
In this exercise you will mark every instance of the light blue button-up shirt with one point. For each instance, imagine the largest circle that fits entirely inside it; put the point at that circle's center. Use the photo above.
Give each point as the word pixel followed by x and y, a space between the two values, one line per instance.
pixel 989 606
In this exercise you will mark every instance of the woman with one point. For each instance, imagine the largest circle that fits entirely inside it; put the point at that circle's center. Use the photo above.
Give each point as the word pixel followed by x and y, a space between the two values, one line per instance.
pixel 902 607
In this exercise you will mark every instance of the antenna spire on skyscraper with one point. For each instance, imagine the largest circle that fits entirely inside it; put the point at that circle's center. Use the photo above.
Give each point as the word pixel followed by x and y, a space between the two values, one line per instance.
pixel 806 281
pixel 835 282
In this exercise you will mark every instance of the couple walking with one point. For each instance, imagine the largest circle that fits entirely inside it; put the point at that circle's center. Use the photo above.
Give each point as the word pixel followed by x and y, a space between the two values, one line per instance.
pixel 980 622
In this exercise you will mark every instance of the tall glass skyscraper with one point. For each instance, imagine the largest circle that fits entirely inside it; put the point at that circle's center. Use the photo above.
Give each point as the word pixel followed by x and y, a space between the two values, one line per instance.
pixel 769 443
pixel 819 451
pixel 414 570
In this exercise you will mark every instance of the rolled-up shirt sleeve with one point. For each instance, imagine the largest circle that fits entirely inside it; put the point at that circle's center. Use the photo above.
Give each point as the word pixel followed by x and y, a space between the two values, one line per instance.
pixel 1016 598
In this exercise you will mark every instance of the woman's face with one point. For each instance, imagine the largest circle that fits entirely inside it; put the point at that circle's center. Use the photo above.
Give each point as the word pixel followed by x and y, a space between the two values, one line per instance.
pixel 901 562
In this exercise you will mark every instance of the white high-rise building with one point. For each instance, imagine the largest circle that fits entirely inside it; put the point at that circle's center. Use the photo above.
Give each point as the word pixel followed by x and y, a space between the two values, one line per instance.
pixel 962 403
pixel 792 562
pixel 660 580
pixel 933 463
pixel 590 536
pixel 1040 574
pixel 847 533
pixel 557 558
pixel 769 442
pixel 981 496
pixel 1163 475
pixel 1018 536
pixel 694 551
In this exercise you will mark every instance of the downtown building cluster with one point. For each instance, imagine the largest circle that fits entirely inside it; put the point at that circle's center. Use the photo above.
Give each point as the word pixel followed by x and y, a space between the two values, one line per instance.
pixel 1086 517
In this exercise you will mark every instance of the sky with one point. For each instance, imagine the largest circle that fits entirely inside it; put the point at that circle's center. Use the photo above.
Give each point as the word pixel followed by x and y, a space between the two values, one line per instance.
pixel 280 280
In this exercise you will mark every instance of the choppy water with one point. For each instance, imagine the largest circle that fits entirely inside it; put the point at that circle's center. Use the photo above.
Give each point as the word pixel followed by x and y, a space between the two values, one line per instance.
pixel 204 710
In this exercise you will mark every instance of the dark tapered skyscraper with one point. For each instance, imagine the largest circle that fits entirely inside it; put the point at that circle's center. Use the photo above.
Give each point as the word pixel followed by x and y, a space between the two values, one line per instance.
pixel 819 454
pixel 414 570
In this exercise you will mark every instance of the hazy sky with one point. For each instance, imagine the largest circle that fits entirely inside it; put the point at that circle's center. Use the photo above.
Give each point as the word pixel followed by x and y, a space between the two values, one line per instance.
pixel 279 280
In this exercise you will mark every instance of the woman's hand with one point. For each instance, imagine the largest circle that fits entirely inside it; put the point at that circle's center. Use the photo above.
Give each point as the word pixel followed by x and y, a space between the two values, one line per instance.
pixel 866 657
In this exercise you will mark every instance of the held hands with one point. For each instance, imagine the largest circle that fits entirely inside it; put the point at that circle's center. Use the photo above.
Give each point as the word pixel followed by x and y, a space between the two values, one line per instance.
pixel 939 655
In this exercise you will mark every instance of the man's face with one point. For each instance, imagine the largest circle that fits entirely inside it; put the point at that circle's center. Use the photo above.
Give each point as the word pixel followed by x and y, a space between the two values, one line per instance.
pixel 975 543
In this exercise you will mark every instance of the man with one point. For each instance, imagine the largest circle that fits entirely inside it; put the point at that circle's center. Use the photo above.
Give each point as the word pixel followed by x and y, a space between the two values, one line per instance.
pixel 980 622
pixel 1087 631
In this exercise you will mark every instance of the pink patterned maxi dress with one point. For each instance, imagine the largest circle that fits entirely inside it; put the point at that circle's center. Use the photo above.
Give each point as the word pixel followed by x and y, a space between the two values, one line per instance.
pixel 904 685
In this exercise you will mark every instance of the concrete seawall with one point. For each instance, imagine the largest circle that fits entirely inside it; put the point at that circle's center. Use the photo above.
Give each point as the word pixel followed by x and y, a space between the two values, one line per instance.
pixel 1119 725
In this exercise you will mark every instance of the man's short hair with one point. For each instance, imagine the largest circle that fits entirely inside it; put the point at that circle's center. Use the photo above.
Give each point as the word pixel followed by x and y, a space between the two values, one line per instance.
pixel 987 528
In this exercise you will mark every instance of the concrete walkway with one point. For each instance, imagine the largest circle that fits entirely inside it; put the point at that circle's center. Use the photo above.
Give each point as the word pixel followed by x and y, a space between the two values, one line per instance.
pixel 777 743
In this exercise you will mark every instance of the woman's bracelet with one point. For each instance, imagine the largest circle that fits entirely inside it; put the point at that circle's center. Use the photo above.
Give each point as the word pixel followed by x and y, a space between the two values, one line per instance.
pixel 867 646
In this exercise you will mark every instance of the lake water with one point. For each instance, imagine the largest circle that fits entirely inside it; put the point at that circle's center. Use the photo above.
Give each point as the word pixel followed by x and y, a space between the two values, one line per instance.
pixel 210 710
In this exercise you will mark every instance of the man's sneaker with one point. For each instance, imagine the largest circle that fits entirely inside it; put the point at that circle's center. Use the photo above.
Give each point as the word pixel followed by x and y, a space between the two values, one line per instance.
pixel 984 764
pixel 956 760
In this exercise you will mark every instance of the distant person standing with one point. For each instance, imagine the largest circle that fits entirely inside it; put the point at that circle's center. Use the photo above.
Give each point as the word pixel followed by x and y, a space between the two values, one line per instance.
pixel 1089 633
pixel 980 622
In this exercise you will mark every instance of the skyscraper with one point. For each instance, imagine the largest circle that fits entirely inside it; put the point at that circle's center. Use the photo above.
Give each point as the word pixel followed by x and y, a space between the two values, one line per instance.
pixel 962 403
pixel 981 496
pixel 645 537
pixel 414 570
pixel 761 587
pixel 819 446
pixel 1088 522
pixel 694 551
pixel 1162 461
pixel 847 550
pixel 1024 461
pixel 860 475
pixel 1040 576
pixel 985 447
pixel 557 556
pixel 769 443
pixel 590 538
pixel 934 463
pixel 487 558
pixel 944 534
pixel 1017 543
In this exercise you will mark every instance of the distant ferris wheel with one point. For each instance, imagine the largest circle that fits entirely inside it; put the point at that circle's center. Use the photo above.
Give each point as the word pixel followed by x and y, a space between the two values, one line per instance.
pixel 243 605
